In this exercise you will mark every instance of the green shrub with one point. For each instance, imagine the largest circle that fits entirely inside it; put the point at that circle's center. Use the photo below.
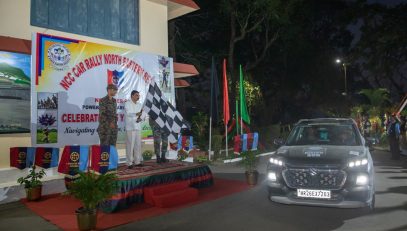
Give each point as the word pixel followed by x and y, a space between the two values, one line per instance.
pixel 200 129
pixel 147 154
pixel 92 189
pixel 249 160
pixel 33 179
pixel 217 144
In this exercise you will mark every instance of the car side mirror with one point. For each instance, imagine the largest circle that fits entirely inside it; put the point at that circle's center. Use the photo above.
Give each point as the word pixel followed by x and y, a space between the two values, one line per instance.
pixel 278 142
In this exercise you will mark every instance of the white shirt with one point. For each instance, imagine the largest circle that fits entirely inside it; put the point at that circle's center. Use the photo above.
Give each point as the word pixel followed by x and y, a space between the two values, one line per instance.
pixel 131 109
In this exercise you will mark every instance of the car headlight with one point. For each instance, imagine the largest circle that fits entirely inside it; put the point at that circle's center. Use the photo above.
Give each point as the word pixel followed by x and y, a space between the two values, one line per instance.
pixel 357 163
pixel 362 179
pixel 272 176
pixel 276 161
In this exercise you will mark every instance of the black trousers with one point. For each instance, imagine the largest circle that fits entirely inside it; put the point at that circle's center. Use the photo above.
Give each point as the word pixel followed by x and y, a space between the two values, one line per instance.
pixel 394 147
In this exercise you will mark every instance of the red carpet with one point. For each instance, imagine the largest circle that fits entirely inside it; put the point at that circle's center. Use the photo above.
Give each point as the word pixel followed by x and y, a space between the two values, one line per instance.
pixel 60 210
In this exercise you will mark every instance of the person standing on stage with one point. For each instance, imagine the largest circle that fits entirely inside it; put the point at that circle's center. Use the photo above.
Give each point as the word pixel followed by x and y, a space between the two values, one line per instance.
pixel 133 112
pixel 160 139
pixel 108 117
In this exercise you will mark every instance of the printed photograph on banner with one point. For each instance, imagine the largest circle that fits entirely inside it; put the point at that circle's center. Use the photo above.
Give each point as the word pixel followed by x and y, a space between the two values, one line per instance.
pixel 15 80
pixel 46 100
pixel 47 129
pixel 115 77
pixel 164 74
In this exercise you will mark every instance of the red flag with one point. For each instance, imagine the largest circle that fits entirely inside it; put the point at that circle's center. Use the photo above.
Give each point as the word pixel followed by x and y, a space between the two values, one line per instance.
pixel 226 115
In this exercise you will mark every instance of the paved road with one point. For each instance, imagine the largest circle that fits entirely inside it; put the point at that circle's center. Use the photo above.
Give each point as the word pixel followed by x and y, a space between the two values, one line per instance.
pixel 251 210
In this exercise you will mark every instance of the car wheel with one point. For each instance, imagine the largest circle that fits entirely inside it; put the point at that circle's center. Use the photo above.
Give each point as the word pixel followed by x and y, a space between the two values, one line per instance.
pixel 371 206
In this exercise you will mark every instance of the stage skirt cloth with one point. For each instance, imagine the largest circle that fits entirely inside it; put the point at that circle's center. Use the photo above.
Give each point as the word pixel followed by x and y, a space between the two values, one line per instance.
pixel 130 189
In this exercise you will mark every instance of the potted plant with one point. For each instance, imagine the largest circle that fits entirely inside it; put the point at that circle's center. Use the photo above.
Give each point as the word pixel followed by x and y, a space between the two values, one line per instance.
pixel 32 183
pixel 91 189
pixel 147 155
pixel 249 161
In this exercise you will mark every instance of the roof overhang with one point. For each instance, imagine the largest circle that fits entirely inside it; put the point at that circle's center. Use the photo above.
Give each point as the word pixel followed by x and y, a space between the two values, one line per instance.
pixel 177 8
pixel 180 83
pixel 15 45
pixel 182 70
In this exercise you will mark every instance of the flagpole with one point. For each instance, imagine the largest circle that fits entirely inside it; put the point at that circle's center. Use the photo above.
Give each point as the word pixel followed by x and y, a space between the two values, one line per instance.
pixel 211 110
pixel 226 135
pixel 241 100
pixel 210 138
pixel 237 118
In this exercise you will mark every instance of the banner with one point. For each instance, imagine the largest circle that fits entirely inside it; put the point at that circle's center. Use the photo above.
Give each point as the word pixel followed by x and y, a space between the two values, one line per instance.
pixel 74 159
pixel 22 157
pixel 46 157
pixel 70 77
pixel 104 158
pixel 245 142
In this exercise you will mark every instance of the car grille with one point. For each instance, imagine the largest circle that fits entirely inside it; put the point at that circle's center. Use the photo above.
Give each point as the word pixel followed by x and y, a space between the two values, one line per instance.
pixel 314 178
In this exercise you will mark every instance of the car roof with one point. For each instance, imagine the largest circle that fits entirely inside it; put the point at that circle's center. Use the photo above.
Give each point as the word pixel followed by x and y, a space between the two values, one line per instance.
pixel 326 121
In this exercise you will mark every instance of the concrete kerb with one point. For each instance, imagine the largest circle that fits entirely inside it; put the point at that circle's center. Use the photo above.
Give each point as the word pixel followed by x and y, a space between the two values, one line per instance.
pixel 240 158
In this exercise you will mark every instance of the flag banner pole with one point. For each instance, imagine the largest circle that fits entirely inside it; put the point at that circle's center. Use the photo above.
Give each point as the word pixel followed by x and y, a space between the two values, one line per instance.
pixel 210 138
pixel 241 100
pixel 226 138
pixel 237 117
pixel 241 126
pixel 213 115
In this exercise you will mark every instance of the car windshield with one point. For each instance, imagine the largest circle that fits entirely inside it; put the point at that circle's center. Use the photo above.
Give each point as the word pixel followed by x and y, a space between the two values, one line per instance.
pixel 324 134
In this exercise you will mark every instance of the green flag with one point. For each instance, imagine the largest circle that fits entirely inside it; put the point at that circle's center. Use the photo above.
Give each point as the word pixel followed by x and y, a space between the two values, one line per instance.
pixel 243 106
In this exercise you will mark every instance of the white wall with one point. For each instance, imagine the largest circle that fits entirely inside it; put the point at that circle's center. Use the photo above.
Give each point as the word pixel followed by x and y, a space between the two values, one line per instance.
pixel 15 22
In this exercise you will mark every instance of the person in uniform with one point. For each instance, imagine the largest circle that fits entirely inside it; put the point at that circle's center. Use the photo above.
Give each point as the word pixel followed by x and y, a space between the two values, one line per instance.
pixel 160 141
pixel 133 113
pixel 108 117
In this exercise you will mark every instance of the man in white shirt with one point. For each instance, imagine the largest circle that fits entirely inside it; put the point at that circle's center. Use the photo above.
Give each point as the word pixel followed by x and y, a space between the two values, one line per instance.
pixel 133 130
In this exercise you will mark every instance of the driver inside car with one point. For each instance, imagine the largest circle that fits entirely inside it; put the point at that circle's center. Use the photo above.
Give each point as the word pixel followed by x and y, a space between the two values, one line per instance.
pixel 345 138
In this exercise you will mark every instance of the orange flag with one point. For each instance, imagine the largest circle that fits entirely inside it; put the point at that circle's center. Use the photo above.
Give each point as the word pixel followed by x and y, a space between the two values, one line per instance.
pixel 226 115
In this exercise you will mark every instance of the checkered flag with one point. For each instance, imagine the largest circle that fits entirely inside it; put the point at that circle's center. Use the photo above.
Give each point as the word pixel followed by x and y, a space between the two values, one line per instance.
pixel 163 113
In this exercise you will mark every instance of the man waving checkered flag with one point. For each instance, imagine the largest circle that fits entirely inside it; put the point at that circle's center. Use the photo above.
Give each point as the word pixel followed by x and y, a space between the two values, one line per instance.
pixel 163 113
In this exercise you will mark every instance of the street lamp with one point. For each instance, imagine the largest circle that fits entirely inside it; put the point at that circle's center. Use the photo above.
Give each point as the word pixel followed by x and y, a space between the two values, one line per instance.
pixel 344 64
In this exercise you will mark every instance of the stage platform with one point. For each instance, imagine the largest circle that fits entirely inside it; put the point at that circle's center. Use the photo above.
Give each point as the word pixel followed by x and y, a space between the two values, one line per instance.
pixel 133 181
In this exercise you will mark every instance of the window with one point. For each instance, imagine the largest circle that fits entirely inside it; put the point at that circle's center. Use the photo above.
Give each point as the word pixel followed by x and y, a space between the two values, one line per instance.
pixel 116 20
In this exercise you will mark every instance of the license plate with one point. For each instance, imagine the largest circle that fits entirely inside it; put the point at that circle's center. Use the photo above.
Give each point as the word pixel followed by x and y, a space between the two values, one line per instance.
pixel 310 193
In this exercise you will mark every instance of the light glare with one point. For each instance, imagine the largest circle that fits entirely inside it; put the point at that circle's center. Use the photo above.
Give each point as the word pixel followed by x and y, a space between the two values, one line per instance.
pixel 272 176
pixel 361 180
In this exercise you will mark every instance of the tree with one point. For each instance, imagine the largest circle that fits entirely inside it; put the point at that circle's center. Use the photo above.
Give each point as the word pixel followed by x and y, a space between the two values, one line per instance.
pixel 381 50
pixel 377 98
pixel 258 19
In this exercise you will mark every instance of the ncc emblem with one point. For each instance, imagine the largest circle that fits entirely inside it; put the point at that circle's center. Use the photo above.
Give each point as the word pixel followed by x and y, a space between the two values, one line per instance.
pixel 59 56
pixel 47 155
pixel 104 156
pixel 22 155
pixel 74 157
